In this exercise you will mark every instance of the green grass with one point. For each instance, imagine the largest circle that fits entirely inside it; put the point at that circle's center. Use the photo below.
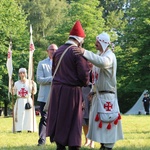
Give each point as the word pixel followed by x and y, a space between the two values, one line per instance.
pixel 136 136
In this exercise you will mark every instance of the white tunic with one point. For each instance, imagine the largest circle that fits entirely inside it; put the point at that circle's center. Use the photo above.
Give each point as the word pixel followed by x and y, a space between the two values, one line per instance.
pixel 105 80
pixel 24 118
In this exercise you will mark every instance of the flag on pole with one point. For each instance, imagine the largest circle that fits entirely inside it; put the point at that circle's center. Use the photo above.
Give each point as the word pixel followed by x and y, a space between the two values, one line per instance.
pixel 30 67
pixel 9 66
pixel 31 51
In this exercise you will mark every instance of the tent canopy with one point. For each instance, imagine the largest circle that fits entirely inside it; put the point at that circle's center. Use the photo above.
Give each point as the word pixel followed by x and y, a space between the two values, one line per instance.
pixel 138 107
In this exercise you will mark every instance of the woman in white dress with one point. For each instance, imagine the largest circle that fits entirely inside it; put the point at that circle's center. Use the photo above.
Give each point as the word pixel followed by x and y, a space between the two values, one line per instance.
pixel 24 119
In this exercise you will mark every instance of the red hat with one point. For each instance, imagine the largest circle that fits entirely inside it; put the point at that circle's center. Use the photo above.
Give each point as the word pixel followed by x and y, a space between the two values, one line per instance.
pixel 77 30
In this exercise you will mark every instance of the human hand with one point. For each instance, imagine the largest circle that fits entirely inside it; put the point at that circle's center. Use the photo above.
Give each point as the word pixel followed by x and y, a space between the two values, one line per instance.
pixel 83 105
pixel 78 50
pixel 90 96
pixel 33 85
pixel 32 90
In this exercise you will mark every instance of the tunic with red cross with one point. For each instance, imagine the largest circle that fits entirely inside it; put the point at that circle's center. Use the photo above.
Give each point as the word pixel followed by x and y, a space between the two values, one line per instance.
pixel 108 106
pixel 22 92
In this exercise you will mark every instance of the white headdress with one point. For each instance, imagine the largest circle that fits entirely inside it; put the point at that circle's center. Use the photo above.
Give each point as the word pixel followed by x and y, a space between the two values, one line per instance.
pixel 104 40
pixel 23 70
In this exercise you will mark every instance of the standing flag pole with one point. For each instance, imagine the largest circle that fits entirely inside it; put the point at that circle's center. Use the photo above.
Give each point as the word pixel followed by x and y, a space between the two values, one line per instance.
pixel 30 67
pixel 10 83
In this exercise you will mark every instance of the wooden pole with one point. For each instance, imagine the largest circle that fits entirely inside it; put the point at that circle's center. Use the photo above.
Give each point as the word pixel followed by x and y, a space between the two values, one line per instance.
pixel 32 92
pixel 31 49
pixel 13 106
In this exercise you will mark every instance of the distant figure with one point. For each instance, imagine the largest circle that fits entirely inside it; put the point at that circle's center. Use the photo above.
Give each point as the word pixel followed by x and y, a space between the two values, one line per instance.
pixel 24 117
pixel 86 105
pixel 146 103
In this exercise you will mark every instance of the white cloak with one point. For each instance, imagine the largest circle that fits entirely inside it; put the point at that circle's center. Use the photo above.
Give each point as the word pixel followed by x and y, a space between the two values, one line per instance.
pixel 103 135
pixel 23 119
pixel 105 80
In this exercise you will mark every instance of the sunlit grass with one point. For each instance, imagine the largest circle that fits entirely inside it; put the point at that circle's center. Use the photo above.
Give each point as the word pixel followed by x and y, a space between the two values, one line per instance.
pixel 136 136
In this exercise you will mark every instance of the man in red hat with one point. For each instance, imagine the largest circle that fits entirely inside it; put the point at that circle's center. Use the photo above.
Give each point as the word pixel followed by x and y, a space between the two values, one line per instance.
pixel 64 122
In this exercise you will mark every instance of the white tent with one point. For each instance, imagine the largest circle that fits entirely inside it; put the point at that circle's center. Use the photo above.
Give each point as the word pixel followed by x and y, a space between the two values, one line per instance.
pixel 138 107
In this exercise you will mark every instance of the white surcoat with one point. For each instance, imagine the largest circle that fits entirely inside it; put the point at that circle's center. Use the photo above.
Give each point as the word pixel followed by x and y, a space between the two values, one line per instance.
pixel 24 119
pixel 104 73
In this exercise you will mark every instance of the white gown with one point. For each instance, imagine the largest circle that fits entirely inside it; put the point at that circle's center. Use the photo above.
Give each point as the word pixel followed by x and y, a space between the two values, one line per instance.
pixel 23 119
pixel 105 80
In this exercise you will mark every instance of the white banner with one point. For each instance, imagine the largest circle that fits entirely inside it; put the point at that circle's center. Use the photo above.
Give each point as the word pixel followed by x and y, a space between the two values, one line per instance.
pixel 31 51
pixel 9 66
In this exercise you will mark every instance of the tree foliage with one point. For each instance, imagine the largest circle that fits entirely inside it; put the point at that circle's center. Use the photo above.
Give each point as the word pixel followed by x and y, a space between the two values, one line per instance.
pixel 91 20
pixel 12 26
pixel 127 22
pixel 45 16
pixel 134 60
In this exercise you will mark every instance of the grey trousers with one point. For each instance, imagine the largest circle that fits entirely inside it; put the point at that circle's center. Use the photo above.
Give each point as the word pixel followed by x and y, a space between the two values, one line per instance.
pixel 42 124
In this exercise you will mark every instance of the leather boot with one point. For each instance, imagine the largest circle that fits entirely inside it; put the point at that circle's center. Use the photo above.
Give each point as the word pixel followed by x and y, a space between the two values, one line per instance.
pixel 74 148
pixel 106 148
pixel 102 147
pixel 60 147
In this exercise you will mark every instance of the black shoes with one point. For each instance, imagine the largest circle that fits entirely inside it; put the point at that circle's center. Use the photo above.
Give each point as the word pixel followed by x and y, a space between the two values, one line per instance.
pixel 41 144
pixel 60 147
pixel 104 148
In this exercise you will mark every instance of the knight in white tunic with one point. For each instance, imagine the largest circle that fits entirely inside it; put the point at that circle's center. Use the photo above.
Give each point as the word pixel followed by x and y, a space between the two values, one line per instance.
pixel 24 119
pixel 105 120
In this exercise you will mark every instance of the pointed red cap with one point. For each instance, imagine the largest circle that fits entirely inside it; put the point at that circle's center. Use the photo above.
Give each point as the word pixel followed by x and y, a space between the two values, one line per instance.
pixel 77 30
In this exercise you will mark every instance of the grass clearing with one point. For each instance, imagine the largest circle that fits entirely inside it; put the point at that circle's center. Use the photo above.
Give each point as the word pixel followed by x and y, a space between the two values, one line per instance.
pixel 136 130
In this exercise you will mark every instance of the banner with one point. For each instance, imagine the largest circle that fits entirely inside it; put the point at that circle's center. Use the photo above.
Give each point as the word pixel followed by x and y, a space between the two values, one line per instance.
pixel 9 66
pixel 31 51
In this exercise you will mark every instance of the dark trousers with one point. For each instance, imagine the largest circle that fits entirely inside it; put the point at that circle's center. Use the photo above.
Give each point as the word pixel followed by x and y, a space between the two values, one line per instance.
pixel 146 107
pixel 42 124
pixel 74 147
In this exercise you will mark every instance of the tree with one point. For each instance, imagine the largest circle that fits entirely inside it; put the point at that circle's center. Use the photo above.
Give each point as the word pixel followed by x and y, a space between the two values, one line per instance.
pixel 135 55
pixel 44 15
pixel 111 6
pixel 90 17
pixel 12 25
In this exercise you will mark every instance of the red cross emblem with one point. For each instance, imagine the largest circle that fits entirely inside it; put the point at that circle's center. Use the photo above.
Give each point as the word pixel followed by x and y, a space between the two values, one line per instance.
pixel 31 47
pixel 108 106
pixel 9 54
pixel 23 92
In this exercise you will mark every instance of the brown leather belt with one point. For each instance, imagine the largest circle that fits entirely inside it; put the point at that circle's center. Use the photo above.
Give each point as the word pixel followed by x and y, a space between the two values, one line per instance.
pixel 107 92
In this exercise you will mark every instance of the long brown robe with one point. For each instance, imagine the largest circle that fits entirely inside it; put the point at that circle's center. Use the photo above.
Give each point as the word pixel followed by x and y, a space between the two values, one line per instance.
pixel 64 122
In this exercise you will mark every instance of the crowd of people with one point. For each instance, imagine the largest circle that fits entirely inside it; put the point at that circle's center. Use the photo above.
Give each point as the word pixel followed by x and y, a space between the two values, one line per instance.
pixel 77 90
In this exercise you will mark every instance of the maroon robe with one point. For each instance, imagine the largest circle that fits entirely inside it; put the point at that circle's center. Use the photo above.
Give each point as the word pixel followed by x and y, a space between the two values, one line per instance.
pixel 64 122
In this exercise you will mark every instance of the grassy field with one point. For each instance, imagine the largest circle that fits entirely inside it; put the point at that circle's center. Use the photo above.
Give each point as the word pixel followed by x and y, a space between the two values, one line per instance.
pixel 136 136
